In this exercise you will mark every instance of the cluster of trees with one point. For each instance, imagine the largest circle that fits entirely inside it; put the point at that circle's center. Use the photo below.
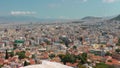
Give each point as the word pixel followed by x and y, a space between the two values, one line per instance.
pixel 21 54
pixel 11 54
pixel 108 54
pixel 73 58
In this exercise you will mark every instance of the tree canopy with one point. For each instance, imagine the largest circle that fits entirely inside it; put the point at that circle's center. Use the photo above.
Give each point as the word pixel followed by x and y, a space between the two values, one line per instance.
pixel 21 55
pixel 73 58
pixel 6 55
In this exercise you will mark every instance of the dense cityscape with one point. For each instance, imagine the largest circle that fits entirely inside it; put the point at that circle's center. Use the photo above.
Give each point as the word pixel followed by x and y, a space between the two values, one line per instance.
pixel 59 34
pixel 76 44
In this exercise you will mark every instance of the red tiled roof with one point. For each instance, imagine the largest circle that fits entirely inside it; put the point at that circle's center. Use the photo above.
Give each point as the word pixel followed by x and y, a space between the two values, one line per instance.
pixel 1 61
pixel 27 54
pixel 70 64
pixel 113 62
pixel 32 61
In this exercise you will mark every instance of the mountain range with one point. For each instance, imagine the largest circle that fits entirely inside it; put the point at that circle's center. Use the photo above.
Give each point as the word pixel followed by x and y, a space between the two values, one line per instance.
pixel 15 19
pixel 117 18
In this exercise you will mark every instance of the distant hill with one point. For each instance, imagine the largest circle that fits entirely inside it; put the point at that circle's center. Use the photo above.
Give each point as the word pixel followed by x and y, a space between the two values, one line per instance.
pixel 91 18
pixel 117 18
pixel 29 19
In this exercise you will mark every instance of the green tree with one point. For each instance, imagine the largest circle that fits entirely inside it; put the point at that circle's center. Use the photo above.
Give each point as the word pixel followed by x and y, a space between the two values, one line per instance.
pixel 108 54
pixel 6 55
pixel 21 55
pixel 74 47
pixel 33 56
pixel 68 58
pixel 26 63
pixel 82 60
pixel 84 57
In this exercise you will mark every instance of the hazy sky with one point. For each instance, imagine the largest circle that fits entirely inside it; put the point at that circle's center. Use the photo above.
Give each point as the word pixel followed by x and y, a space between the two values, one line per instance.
pixel 60 8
